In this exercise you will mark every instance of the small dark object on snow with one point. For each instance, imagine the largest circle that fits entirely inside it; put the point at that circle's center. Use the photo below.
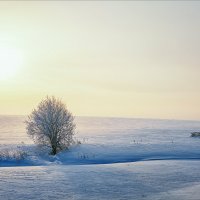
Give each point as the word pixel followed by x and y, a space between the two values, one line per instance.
pixel 195 134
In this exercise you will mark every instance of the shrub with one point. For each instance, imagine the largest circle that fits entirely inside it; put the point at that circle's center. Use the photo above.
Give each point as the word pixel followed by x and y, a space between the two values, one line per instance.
pixel 195 134
pixel 11 154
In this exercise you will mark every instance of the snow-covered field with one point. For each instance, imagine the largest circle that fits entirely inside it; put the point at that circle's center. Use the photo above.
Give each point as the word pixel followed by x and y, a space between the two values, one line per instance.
pixel 118 159
pixel 140 180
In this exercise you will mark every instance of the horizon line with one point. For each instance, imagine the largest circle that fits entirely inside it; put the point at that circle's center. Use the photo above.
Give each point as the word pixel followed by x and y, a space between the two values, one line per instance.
pixel 112 117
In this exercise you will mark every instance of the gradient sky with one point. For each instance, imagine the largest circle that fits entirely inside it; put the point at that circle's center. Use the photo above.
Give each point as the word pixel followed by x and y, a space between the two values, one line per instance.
pixel 123 59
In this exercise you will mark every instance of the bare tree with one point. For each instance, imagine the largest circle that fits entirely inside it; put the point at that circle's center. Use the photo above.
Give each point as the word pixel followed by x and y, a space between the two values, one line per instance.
pixel 51 125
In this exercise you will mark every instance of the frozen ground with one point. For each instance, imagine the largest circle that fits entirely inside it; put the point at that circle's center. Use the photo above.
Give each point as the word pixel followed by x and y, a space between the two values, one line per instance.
pixel 150 180
pixel 118 159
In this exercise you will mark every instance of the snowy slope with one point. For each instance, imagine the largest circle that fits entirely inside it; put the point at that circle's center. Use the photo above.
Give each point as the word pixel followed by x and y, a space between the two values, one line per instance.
pixel 118 159
pixel 111 140
pixel 149 180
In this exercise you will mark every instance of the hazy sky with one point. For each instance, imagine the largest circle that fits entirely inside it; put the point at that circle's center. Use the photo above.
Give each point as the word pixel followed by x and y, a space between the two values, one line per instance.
pixel 125 59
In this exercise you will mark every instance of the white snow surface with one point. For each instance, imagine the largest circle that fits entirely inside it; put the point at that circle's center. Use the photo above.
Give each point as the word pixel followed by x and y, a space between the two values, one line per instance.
pixel 140 180
pixel 118 158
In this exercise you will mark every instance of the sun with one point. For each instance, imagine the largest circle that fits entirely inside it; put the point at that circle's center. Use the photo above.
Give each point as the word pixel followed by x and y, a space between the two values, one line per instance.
pixel 10 61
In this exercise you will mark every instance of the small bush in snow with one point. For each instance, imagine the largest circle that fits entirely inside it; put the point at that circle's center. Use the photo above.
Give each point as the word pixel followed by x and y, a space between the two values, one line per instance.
pixel 51 125
pixel 195 134
pixel 12 154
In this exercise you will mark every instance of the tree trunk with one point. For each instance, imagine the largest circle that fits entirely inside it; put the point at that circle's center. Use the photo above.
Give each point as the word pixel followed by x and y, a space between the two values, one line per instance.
pixel 54 150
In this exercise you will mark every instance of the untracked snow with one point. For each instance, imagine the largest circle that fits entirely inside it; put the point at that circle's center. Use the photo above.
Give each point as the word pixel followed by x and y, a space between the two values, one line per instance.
pixel 118 158
pixel 150 180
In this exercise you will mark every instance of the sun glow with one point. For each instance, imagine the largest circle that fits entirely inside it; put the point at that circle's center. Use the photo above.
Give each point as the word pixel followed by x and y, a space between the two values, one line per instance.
pixel 10 61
